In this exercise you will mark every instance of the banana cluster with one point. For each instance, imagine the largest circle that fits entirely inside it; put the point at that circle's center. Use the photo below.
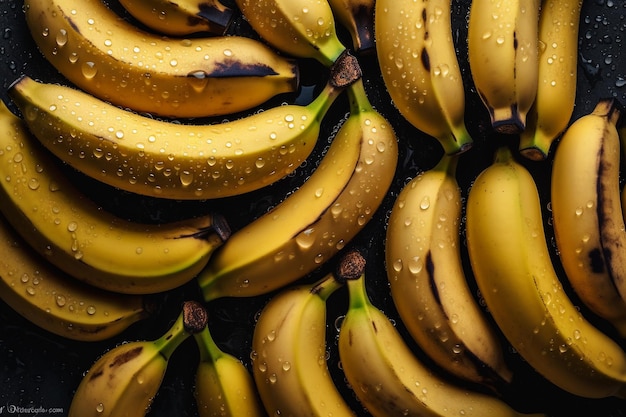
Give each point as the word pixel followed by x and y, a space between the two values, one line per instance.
pixel 170 104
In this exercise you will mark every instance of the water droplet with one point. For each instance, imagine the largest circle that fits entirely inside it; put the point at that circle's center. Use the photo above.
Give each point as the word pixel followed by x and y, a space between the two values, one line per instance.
pixel 91 310
pixel 72 226
pixel 186 178
pixel 89 70
pixel 33 184
pixel 306 238
pixel 60 300
pixel 100 408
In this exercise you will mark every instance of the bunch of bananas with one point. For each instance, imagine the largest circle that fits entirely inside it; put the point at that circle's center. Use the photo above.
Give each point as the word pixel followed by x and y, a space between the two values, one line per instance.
pixel 279 152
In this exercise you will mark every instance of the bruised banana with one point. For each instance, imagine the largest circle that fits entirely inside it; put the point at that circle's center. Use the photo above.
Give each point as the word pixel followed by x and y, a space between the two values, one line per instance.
pixel 316 221
pixel 124 381
pixel 181 17
pixel 224 386
pixel 419 66
pixel 289 349
pixel 587 213
pixel 389 379
pixel 556 89
pixel 428 284
pixel 357 16
pixel 72 232
pixel 55 302
pixel 169 160
pixel 114 60
pixel 300 28
pixel 503 59
pixel 512 266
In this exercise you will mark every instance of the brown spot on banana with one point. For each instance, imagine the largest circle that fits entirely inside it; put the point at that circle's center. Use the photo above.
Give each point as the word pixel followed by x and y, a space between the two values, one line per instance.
pixel 125 357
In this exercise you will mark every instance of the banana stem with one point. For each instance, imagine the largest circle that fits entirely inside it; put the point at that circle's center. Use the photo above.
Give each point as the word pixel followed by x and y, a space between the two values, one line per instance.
pixel 358 298
pixel 192 319
pixel 209 351
pixel 326 286
pixel 359 102
pixel 320 105
pixel 448 164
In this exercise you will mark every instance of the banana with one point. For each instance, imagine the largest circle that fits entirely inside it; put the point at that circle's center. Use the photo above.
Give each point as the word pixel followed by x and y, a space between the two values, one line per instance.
pixel 357 16
pixel 300 28
pixel 428 284
pixel 163 159
pixel 389 379
pixel 58 303
pixel 587 213
pixel 556 90
pixel 503 59
pixel 125 379
pixel 117 62
pixel 289 350
pixel 181 17
pixel 420 70
pixel 317 220
pixel 224 386
pixel 511 262
pixel 71 231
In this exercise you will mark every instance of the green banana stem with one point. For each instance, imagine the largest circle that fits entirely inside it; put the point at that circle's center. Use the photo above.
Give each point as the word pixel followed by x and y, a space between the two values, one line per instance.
pixel 191 320
pixel 359 102
pixel 209 351
pixel 358 299
pixel 320 105
pixel 448 164
pixel 326 286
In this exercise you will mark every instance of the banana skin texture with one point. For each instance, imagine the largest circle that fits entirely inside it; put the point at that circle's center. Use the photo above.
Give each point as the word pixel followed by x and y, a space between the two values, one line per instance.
pixel 512 266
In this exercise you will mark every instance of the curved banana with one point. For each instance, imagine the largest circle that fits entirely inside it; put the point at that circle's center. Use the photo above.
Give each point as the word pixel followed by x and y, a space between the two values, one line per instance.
pixel 357 16
pixel 503 59
pixel 556 90
pixel 300 28
pixel 317 220
pixel 419 66
pixel 72 232
pixel 428 283
pixel 117 62
pixel 514 272
pixel 389 379
pixel 124 380
pixel 587 213
pixel 224 386
pixel 289 352
pixel 181 17
pixel 58 303
pixel 170 160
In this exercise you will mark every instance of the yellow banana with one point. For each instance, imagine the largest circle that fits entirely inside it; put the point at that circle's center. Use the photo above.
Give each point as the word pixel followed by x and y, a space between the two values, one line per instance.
pixel 389 379
pixel 419 66
pixel 556 89
pixel 125 379
pixel 511 262
pixel 170 160
pixel 587 213
pixel 73 233
pixel 300 28
pixel 224 386
pixel 357 16
pixel 115 61
pixel 317 220
pixel 289 351
pixel 56 302
pixel 503 58
pixel 428 283
pixel 181 17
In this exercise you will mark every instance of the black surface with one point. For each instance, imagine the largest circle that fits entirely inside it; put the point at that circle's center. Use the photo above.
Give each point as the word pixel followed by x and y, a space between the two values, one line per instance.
pixel 40 370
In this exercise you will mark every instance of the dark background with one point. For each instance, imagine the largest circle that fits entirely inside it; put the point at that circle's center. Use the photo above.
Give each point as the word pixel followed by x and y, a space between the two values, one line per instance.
pixel 42 370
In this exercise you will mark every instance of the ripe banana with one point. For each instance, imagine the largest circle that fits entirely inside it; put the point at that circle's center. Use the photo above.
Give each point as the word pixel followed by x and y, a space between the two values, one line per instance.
pixel 170 160
pixel 115 61
pixel 181 17
pixel 289 351
pixel 428 284
pixel 357 16
pixel 124 380
pixel 419 66
pixel 514 272
pixel 587 212
pixel 503 59
pixel 56 302
pixel 389 379
pixel 73 233
pixel 300 28
pixel 556 89
pixel 317 220
pixel 224 386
